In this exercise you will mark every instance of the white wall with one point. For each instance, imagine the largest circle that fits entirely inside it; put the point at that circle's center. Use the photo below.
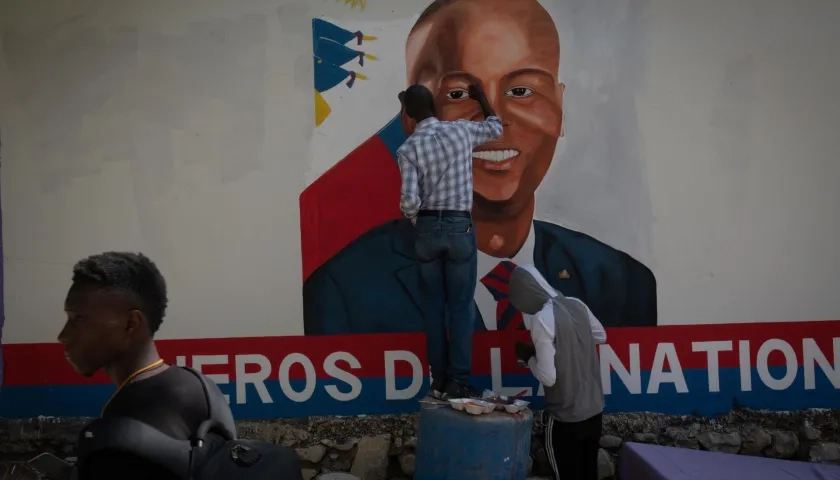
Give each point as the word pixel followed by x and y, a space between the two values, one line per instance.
pixel 182 129
pixel 739 121
pixel 173 128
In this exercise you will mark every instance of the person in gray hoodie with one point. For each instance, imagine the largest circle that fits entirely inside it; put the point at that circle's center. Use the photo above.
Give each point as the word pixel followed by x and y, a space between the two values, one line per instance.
pixel 564 358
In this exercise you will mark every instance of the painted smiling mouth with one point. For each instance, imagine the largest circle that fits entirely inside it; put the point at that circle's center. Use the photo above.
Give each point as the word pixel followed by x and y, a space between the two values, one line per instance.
pixel 497 160
pixel 495 155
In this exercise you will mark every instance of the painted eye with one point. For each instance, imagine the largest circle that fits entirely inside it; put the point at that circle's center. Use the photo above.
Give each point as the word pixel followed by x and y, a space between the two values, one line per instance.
pixel 457 94
pixel 519 92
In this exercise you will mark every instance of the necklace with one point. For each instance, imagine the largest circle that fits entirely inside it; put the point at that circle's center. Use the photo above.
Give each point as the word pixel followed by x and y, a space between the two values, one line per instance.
pixel 130 378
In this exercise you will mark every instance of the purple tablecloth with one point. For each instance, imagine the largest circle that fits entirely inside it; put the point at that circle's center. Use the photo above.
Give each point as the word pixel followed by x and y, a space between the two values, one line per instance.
pixel 638 461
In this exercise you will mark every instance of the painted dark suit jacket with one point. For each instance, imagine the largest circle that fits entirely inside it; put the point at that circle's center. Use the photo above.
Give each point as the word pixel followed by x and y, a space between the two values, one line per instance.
pixel 372 284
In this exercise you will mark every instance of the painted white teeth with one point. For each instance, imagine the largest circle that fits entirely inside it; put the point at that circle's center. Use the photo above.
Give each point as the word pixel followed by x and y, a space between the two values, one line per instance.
pixel 496 155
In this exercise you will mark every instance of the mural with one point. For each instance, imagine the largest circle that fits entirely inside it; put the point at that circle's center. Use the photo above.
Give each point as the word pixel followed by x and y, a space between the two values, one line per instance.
pixel 513 50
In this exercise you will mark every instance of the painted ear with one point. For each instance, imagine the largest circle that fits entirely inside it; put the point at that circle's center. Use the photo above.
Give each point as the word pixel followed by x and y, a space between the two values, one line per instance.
pixel 561 89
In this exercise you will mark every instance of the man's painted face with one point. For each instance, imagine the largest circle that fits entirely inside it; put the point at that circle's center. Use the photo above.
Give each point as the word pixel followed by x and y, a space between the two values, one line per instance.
pixel 512 49
pixel 95 333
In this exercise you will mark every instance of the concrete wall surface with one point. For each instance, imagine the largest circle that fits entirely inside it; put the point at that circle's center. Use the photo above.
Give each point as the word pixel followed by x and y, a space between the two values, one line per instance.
pixel 673 163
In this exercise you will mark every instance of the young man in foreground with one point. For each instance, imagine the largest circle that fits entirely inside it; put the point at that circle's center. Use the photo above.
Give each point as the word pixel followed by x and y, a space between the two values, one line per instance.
pixel 436 164
pixel 564 358
pixel 114 307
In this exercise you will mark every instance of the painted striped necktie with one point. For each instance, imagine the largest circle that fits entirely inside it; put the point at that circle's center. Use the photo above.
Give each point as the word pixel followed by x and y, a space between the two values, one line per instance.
pixel 497 282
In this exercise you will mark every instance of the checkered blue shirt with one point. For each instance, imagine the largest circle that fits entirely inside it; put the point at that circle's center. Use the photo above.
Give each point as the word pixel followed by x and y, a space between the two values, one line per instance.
pixel 436 164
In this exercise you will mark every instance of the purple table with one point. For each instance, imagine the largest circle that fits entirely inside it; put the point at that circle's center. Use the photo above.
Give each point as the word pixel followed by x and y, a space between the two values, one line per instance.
pixel 638 461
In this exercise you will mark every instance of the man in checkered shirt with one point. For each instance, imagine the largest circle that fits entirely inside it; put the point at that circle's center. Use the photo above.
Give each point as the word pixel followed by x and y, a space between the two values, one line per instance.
pixel 437 196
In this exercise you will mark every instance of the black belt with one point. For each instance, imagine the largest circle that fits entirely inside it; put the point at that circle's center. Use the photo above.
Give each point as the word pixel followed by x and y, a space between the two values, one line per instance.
pixel 444 213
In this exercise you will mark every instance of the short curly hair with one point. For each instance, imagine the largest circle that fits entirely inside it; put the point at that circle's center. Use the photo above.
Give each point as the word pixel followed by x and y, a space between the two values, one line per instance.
pixel 127 272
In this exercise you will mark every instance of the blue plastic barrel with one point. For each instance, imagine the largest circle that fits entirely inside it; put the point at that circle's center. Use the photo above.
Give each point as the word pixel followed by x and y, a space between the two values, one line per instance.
pixel 459 446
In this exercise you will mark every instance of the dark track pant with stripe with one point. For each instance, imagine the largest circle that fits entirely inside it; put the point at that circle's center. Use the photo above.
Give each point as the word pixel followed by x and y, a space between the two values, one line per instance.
pixel 572 448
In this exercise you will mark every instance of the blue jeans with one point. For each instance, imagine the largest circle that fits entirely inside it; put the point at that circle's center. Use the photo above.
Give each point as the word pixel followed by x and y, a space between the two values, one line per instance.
pixel 446 250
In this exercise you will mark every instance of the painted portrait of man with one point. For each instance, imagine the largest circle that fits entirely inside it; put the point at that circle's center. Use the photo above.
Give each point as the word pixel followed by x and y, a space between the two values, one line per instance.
pixel 513 50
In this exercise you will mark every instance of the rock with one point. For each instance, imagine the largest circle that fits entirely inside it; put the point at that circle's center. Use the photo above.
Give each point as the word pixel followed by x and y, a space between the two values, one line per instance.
pixel 784 445
pixel 411 442
pixel 645 437
pixel 809 433
pixel 680 437
pixel 824 452
pixel 606 467
pixel 344 446
pixel 754 440
pixel 371 461
pixel 398 442
pixel 284 434
pixel 720 442
pixel 339 462
pixel 530 465
pixel 313 454
pixel 348 445
pixel 610 442
pixel 407 463
pixel 308 473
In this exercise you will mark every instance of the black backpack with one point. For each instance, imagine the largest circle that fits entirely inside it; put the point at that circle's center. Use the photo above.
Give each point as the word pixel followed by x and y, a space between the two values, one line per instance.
pixel 213 452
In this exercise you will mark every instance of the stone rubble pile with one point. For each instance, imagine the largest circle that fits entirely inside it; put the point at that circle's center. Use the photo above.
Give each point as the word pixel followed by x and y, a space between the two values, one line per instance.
pixel 383 447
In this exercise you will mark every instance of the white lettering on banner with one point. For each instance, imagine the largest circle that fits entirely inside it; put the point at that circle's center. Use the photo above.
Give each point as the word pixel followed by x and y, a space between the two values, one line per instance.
pixel 285 383
pixel 812 355
pixel 631 379
pixel 712 349
pixel 790 364
pixel 674 375
pixel 744 365
pixel 332 370
pixel 199 361
pixel 257 379
pixel 391 392
pixel 496 376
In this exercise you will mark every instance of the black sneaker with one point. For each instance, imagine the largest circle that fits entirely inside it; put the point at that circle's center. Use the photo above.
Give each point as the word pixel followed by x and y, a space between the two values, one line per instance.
pixel 459 390
pixel 437 389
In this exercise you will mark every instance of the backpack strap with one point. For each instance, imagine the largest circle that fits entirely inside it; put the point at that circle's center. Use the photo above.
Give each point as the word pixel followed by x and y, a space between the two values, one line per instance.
pixel 219 417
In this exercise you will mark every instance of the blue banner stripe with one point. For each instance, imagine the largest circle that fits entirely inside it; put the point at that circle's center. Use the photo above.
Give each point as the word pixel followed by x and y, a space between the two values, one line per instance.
pixel 86 400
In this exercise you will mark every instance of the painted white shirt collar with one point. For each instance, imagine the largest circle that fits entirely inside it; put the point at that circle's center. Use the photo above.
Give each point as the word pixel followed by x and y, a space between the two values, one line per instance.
pixel 486 263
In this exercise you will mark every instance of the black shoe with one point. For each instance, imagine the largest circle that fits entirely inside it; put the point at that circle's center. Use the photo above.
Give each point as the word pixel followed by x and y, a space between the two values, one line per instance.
pixel 459 390
pixel 437 389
